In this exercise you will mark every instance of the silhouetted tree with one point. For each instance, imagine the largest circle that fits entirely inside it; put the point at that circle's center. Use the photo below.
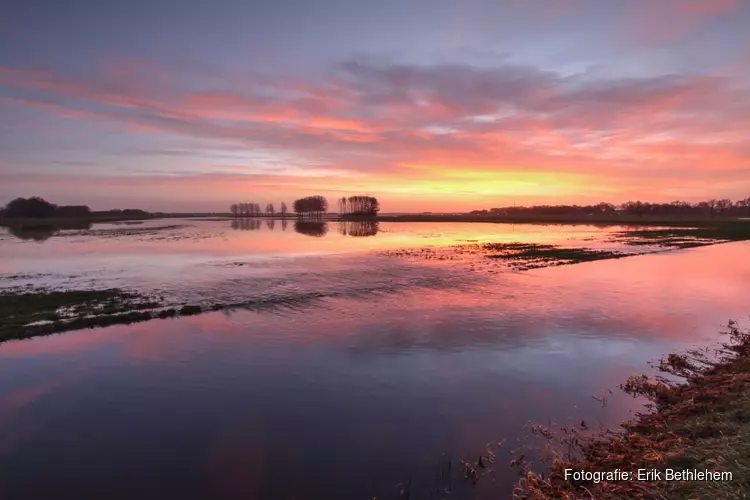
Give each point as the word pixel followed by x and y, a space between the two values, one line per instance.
pixel 311 206
pixel 73 211
pixel 269 209
pixel 235 209
pixel 708 208
pixel 283 208
pixel 359 205
pixel 35 207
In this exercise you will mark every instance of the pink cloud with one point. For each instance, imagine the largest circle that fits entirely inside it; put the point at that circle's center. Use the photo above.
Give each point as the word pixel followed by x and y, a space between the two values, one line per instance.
pixel 453 121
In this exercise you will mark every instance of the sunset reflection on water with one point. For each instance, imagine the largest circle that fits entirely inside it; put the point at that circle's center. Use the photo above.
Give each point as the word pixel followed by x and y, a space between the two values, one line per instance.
pixel 348 395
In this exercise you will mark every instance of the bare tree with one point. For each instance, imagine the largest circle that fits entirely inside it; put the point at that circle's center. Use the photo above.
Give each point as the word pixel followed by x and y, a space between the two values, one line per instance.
pixel 269 209
pixel 283 208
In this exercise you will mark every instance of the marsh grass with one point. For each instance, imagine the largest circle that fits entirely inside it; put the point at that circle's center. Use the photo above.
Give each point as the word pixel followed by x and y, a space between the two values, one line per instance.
pixel 687 237
pixel 699 418
pixel 528 255
pixel 25 314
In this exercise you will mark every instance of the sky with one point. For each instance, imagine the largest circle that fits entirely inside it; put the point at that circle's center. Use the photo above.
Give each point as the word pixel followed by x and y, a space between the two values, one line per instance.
pixel 430 105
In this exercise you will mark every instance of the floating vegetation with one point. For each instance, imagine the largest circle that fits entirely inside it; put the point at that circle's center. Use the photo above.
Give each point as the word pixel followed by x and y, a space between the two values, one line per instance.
pixel 529 255
pixel 686 237
pixel 515 255
pixel 25 314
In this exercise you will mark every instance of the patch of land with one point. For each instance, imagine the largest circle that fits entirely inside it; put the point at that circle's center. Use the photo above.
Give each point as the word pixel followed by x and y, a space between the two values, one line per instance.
pixel 699 422
pixel 514 255
pixel 25 314
pixel 531 255
pixel 686 237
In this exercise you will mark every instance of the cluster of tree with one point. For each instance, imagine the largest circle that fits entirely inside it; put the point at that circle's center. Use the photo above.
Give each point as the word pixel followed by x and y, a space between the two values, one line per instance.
pixel 128 212
pixel 311 206
pixel 254 210
pixel 359 205
pixel 39 208
pixel 359 228
pixel 724 207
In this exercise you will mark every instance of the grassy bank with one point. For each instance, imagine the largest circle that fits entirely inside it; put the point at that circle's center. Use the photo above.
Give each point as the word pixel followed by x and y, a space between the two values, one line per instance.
pixel 699 422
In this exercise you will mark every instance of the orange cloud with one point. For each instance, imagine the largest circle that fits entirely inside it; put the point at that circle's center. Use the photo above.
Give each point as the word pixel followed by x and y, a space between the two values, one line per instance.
pixel 401 129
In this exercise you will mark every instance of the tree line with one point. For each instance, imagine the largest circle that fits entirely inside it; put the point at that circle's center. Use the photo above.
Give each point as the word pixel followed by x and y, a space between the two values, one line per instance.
pixel 359 205
pixel 722 207
pixel 39 208
pixel 251 209
pixel 311 206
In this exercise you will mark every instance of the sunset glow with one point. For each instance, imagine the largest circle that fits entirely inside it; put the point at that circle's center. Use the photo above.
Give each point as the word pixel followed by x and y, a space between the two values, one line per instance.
pixel 431 106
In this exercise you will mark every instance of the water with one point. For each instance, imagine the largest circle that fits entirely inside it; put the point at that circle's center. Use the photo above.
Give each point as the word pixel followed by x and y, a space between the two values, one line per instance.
pixel 385 368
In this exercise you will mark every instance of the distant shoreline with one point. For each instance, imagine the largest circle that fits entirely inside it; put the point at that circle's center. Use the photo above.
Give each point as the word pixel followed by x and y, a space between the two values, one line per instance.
pixel 468 218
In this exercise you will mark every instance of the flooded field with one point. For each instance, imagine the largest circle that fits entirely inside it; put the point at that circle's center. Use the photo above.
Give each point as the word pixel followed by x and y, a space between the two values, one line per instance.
pixel 348 360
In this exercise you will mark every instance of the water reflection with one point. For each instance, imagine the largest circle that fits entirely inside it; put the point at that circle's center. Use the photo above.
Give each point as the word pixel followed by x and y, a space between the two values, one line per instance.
pixel 315 228
pixel 344 353
pixel 246 224
pixel 45 232
pixel 358 228
pixel 311 228
pixel 38 233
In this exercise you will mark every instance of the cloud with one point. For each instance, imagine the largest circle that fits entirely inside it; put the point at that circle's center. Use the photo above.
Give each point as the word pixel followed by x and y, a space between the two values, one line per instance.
pixel 427 124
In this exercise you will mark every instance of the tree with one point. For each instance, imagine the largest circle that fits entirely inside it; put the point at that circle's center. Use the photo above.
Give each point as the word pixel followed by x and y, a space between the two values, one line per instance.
pixel 35 207
pixel 360 205
pixel 310 206
pixel 234 208
pixel 269 209
pixel 283 208
pixel 723 206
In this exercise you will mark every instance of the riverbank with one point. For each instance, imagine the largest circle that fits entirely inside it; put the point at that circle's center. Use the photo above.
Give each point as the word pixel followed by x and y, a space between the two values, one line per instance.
pixel 700 423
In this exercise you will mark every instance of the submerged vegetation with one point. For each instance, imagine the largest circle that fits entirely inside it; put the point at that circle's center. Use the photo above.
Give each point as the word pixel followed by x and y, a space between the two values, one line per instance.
pixel 515 255
pixel 700 421
pixel 687 237
pixel 29 313
pixel 531 255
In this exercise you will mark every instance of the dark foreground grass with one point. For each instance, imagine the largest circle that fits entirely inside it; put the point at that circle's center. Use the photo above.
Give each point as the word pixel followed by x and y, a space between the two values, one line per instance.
pixel 700 423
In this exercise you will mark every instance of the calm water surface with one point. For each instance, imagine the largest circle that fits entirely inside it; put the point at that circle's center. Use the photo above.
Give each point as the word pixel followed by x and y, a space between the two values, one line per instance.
pixel 369 373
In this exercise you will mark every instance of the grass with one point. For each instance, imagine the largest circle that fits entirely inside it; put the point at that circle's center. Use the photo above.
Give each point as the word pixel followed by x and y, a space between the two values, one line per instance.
pixel 700 421
pixel 688 237
pixel 547 253
pixel 25 314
